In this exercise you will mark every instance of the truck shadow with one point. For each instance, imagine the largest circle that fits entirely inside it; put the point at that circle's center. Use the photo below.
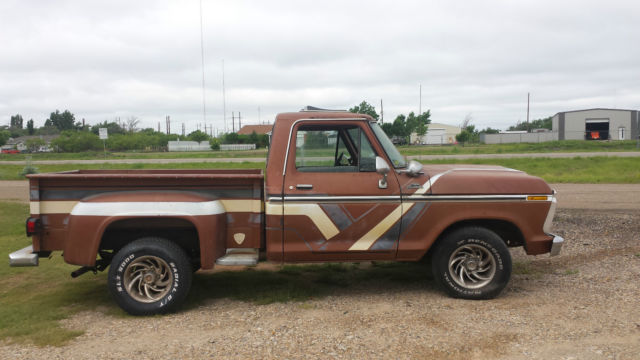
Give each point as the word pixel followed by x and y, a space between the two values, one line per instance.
pixel 306 282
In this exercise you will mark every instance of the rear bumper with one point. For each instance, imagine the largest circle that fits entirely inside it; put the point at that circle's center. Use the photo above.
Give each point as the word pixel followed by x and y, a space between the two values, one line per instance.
pixel 23 257
pixel 556 245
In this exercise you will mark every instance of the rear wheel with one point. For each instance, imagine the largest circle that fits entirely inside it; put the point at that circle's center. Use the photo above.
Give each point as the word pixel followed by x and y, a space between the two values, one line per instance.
pixel 472 263
pixel 150 276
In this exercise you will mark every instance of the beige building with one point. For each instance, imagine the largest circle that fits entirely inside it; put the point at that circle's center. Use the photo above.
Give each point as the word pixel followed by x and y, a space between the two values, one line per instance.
pixel 596 124
pixel 437 134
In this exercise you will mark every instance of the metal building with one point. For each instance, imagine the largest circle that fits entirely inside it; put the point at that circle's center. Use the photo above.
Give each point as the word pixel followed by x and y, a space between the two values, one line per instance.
pixel 596 124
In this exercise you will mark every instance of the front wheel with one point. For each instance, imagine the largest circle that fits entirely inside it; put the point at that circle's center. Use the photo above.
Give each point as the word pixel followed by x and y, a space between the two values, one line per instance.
pixel 150 276
pixel 472 263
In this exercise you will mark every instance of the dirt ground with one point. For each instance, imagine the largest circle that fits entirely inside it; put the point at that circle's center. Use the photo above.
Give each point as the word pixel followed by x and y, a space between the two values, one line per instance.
pixel 582 304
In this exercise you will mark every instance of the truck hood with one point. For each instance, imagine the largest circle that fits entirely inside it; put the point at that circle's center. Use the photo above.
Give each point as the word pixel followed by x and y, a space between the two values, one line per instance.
pixel 482 180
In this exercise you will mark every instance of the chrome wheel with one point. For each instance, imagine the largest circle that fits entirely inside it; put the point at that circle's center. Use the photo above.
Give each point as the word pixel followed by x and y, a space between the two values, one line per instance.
pixel 148 279
pixel 472 266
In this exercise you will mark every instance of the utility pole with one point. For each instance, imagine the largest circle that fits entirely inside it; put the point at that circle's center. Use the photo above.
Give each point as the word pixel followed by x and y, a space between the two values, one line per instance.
pixel 381 113
pixel 224 100
pixel 204 107
pixel 233 122
pixel 182 129
pixel 239 121
pixel 168 120
pixel 158 126
pixel 527 108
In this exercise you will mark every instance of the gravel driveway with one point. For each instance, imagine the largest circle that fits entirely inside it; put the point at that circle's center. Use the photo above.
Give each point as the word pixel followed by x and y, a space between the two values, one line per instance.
pixel 583 304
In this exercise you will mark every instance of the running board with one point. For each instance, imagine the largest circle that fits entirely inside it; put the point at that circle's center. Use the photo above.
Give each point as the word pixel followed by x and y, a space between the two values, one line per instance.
pixel 239 257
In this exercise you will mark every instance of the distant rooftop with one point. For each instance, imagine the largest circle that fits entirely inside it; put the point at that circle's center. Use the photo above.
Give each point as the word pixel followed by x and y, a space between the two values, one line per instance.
pixel 259 129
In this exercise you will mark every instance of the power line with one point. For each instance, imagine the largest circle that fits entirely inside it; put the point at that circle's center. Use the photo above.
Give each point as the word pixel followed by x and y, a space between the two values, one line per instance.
pixel 204 108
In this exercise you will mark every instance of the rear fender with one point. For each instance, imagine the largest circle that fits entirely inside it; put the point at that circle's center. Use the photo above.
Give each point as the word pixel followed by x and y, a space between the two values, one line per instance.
pixel 90 218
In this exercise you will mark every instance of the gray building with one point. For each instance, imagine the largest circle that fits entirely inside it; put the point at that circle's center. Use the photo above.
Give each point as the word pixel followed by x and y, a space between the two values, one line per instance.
pixel 596 124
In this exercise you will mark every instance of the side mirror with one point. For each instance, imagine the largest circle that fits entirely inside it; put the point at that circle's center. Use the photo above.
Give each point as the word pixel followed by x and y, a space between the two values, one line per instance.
pixel 383 169
pixel 413 168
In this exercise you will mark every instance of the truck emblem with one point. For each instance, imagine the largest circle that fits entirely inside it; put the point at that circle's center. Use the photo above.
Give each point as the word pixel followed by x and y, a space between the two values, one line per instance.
pixel 238 237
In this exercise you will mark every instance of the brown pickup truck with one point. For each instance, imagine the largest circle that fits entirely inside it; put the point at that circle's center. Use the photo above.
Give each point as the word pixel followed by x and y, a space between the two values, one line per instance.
pixel 336 189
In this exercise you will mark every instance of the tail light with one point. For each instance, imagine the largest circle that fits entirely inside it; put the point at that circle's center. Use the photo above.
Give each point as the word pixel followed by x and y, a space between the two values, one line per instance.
pixel 33 226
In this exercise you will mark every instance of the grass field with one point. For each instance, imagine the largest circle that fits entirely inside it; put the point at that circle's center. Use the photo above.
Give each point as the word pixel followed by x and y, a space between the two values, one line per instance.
pixel 581 170
pixel 35 300
pixel 547 147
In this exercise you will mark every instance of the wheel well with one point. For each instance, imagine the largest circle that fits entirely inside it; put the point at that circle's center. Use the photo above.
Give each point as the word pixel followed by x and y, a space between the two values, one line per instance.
pixel 507 231
pixel 179 231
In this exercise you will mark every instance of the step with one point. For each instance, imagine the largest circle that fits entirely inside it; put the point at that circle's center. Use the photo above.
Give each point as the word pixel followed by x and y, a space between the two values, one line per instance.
pixel 239 257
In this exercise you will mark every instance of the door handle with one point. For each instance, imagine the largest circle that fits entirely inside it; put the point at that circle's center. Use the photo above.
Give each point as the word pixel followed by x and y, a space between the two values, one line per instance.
pixel 304 186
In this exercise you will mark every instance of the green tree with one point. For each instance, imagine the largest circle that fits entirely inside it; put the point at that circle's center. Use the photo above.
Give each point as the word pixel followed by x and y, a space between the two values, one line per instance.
pixel 489 130
pixel 112 128
pixel 544 123
pixel 198 136
pixel 30 128
pixel 365 108
pixel 418 124
pixel 253 138
pixel 63 121
pixel 214 143
pixel 399 127
pixel 4 137
pixel 17 121
pixel 77 141
pixel 231 138
pixel 388 129
pixel 469 134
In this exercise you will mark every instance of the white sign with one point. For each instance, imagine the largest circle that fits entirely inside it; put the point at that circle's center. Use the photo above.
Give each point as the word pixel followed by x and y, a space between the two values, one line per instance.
pixel 102 132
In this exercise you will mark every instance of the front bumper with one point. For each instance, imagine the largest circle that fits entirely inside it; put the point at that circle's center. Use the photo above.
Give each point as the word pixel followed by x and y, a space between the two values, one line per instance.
pixel 23 257
pixel 556 245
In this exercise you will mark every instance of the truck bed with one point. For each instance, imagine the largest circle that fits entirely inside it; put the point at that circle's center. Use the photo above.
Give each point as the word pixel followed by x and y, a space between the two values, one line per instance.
pixel 54 196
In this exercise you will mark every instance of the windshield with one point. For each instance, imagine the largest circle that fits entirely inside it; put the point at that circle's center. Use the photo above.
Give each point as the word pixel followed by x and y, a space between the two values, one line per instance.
pixel 393 153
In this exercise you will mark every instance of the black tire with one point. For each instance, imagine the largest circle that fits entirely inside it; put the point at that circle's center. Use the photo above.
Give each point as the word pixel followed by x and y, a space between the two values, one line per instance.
pixel 472 263
pixel 150 276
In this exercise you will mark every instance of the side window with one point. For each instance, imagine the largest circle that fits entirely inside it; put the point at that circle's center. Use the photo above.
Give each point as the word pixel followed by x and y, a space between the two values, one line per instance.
pixel 333 149
pixel 367 155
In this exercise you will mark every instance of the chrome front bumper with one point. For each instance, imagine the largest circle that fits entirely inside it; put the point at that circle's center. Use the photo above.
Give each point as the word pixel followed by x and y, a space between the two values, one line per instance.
pixel 23 257
pixel 556 245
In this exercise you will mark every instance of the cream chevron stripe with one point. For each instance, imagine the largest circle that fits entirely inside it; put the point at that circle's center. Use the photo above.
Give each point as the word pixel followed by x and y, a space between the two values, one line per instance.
pixel 316 214
pixel 233 205
pixel 365 242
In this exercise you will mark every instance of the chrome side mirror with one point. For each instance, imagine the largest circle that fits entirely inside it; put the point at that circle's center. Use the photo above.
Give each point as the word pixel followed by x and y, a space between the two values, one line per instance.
pixel 383 169
pixel 413 168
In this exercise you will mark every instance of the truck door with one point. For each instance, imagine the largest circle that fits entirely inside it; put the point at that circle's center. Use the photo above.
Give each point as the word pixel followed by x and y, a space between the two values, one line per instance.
pixel 335 207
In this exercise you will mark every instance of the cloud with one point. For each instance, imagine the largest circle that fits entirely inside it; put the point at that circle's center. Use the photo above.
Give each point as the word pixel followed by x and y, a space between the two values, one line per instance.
pixel 121 58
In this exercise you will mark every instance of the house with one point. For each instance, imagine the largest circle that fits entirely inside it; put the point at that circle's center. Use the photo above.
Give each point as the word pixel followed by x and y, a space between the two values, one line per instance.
pixel 20 143
pixel 437 134
pixel 259 129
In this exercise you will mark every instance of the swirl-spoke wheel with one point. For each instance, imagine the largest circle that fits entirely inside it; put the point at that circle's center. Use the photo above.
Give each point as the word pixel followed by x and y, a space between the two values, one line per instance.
pixel 150 276
pixel 148 279
pixel 471 263
pixel 472 266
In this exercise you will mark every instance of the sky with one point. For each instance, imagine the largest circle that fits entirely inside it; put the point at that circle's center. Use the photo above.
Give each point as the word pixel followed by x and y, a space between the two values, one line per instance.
pixel 104 60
